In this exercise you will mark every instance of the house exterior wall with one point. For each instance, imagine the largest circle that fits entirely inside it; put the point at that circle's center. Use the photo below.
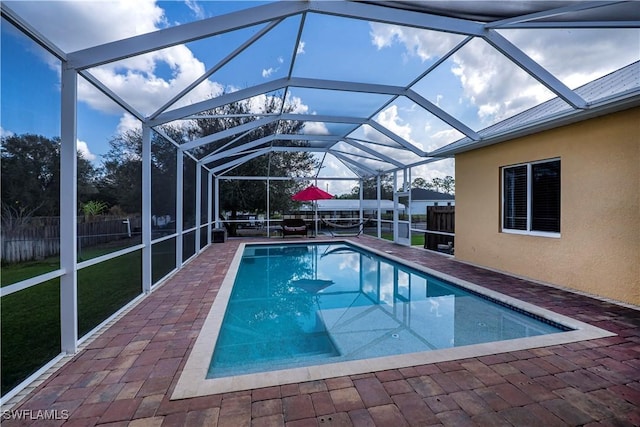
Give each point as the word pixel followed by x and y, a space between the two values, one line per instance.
pixel 598 250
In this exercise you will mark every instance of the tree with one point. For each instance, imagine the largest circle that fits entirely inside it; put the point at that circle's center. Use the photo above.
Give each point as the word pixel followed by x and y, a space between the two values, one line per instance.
pixel 445 185
pixel 420 183
pixel 250 195
pixel 370 188
pixel 31 176
pixel 122 167
pixel 442 185
pixel 121 183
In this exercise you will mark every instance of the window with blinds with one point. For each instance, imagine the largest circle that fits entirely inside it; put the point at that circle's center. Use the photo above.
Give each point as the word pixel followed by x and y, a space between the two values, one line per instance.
pixel 531 197
pixel 515 198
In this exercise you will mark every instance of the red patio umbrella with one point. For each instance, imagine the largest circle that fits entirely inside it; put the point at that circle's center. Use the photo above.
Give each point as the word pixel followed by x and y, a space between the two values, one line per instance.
pixel 309 194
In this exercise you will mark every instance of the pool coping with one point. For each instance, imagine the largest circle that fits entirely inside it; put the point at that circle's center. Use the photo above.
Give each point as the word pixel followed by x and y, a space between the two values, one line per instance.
pixel 193 381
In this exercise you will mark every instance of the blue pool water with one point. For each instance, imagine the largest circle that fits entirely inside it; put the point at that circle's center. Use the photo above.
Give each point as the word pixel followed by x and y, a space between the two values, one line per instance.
pixel 308 304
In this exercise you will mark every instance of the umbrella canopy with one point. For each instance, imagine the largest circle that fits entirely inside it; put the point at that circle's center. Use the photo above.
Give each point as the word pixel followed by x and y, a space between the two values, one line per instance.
pixel 311 193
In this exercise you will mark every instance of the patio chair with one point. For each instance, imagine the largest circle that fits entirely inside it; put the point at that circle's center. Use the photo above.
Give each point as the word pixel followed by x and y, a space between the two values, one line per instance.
pixel 294 227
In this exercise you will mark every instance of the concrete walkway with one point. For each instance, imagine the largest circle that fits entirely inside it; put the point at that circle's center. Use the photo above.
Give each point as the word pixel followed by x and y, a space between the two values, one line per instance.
pixel 126 375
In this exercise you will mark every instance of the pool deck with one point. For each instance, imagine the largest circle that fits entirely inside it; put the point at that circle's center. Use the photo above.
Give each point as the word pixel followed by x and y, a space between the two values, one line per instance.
pixel 126 374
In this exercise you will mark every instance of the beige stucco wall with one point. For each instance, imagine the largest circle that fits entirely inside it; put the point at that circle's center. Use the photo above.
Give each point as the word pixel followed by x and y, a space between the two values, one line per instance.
pixel 599 248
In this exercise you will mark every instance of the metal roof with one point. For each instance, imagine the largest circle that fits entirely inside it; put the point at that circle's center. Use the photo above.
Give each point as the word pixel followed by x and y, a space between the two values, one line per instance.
pixel 613 92
pixel 522 13
pixel 429 195
pixel 354 134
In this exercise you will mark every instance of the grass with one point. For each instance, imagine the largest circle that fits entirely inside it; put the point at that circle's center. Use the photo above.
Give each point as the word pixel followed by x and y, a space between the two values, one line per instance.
pixel 30 335
pixel 30 331
pixel 106 287
pixel 14 273
pixel 163 259
pixel 417 239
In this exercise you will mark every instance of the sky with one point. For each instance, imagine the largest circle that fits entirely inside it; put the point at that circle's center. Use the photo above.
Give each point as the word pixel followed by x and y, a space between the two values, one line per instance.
pixel 477 85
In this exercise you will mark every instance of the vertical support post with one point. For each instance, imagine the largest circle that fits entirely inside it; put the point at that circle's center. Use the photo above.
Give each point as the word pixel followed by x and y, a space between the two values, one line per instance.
pixel 360 212
pixel 179 205
pixel 146 209
pixel 268 207
pixel 68 212
pixel 269 195
pixel 361 274
pixel 407 175
pixel 395 206
pixel 198 205
pixel 379 196
pixel 315 210
pixel 209 204
pixel 217 201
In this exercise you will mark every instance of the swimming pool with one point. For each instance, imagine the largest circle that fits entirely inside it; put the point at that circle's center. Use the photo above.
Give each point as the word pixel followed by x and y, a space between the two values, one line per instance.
pixel 300 312
pixel 297 305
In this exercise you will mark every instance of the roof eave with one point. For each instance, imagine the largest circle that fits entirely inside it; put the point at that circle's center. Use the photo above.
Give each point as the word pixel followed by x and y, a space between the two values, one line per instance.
pixel 601 108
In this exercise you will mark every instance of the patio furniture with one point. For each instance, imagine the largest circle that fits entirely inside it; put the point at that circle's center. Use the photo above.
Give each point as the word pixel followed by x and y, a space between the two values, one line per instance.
pixel 294 227
pixel 218 235
pixel 447 249
pixel 349 229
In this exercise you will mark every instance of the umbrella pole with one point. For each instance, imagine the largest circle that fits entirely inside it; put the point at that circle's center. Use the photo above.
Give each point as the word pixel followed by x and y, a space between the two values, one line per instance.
pixel 316 217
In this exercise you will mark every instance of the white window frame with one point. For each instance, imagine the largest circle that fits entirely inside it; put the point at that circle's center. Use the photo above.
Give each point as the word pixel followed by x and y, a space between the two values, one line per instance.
pixel 528 231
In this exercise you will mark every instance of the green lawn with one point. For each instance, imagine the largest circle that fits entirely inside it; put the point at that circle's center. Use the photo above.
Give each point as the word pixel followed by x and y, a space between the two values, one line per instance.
pixel 14 273
pixel 30 331
pixel 417 239
pixel 30 318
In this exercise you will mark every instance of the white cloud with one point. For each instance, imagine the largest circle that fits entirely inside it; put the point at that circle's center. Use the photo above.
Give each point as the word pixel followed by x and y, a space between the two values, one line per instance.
pixel 315 128
pixel 581 55
pixel 442 137
pixel 424 44
pixel 128 123
pixel 298 107
pixel 98 21
pixel 135 79
pixel 300 49
pixel 439 169
pixel 498 89
pixel 334 168
pixel 83 148
pixel 195 8
pixel 390 119
pixel 5 133
pixel 268 72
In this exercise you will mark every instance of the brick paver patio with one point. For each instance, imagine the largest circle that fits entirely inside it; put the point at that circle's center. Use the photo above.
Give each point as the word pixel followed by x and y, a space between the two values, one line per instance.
pixel 126 375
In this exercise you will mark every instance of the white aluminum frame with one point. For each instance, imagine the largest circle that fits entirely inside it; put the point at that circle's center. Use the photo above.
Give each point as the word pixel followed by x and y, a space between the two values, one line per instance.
pixel 269 16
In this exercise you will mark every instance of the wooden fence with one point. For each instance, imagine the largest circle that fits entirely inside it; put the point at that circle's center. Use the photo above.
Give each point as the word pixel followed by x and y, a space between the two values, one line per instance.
pixel 39 238
pixel 440 218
